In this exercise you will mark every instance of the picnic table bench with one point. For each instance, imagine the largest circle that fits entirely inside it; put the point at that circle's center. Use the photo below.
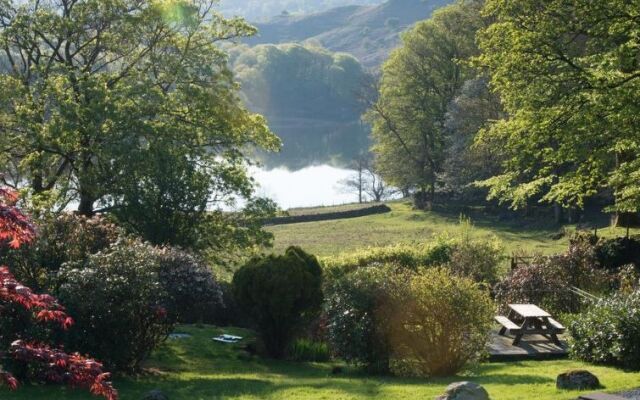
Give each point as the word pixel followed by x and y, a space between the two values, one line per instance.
pixel 535 321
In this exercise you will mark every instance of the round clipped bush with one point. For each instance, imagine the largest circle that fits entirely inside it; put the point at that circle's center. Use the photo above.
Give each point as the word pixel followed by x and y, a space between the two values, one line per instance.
pixel 437 323
pixel 194 293
pixel 281 294
pixel 118 303
pixel 608 332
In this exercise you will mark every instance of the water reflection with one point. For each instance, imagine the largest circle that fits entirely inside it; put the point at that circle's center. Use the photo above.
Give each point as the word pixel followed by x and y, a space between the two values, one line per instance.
pixel 311 186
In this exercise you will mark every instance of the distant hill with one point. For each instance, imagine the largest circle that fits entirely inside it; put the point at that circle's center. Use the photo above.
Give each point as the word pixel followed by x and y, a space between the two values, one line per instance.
pixel 261 10
pixel 368 32
pixel 308 95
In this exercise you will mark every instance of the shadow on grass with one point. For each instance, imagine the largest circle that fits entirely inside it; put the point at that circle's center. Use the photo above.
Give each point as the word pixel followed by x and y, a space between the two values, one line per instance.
pixel 222 388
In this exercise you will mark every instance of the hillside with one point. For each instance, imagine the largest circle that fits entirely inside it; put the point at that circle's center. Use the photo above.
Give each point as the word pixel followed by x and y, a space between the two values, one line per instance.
pixel 261 10
pixel 368 32
pixel 308 96
pixel 405 225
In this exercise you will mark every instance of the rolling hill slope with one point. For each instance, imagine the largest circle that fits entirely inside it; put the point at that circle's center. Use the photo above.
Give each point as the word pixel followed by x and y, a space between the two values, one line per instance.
pixel 368 32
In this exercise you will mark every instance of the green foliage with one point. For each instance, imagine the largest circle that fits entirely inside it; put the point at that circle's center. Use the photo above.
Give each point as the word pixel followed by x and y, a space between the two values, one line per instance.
pixel 139 114
pixel 546 280
pixel 310 97
pixel 309 351
pixel 355 330
pixel 609 332
pixel 615 253
pixel 419 81
pixel 369 33
pixel 281 294
pixel 194 294
pixel 479 259
pixel 403 256
pixel 568 76
pixel 468 160
pixel 437 323
pixel 117 301
pixel 61 239
pixel 425 323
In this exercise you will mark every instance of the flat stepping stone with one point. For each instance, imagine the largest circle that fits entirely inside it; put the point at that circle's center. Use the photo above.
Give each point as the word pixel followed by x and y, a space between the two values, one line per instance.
pixel 600 396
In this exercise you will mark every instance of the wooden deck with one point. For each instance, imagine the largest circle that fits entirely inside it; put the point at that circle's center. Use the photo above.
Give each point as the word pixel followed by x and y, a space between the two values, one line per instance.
pixel 501 348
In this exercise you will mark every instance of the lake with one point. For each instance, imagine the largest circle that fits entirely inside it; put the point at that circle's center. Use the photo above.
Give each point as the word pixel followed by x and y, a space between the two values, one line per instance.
pixel 308 187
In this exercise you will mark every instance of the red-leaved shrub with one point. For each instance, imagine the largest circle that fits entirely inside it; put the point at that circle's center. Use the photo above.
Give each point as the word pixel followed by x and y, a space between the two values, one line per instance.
pixel 39 361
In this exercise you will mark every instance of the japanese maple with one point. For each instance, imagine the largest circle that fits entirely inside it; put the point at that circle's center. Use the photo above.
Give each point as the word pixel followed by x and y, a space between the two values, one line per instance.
pixel 46 363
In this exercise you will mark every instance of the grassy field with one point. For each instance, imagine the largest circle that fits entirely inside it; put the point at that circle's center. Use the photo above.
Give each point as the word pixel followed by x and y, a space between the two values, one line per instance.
pixel 405 225
pixel 328 209
pixel 197 368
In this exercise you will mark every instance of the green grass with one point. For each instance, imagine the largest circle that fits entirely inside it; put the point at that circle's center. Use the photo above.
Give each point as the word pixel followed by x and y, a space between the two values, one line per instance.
pixel 404 225
pixel 199 369
pixel 329 209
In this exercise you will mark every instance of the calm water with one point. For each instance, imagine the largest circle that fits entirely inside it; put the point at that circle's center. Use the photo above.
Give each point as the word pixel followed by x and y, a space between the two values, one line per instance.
pixel 308 187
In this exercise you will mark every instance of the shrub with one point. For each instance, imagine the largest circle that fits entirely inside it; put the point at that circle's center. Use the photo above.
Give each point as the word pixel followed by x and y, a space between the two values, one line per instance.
pixel 354 331
pixel 609 332
pixel 615 253
pixel 628 279
pixel 125 318
pixel 547 280
pixel 402 256
pixel 437 323
pixel 282 294
pixel 539 284
pixel 425 323
pixel 193 291
pixel 30 360
pixel 309 351
pixel 478 259
pixel 61 239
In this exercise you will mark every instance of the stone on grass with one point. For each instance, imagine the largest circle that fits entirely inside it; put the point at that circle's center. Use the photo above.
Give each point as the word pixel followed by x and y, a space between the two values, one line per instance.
pixel 155 394
pixel 577 380
pixel 464 391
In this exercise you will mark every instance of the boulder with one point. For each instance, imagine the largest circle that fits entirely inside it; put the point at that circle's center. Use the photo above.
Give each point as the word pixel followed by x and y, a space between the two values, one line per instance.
pixel 577 380
pixel 464 391
pixel 155 394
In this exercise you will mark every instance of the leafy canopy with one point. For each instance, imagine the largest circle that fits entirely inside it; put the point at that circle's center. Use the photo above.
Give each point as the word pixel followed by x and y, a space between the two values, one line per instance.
pixel 95 91
pixel 418 82
pixel 569 75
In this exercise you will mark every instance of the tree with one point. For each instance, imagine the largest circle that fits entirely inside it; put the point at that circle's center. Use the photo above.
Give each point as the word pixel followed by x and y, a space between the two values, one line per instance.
pixel 365 181
pixel 93 89
pixel 308 94
pixel 19 303
pixel 569 76
pixel 418 82
pixel 356 182
pixel 468 160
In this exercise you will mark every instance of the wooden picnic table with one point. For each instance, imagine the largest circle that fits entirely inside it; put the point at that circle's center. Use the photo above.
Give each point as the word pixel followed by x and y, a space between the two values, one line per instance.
pixel 534 321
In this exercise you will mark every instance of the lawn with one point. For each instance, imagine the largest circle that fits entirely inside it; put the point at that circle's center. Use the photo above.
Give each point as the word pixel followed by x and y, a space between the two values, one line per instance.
pixel 197 368
pixel 405 225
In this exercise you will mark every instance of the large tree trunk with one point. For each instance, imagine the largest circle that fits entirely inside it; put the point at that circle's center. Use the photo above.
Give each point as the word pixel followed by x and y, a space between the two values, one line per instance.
pixel 422 200
pixel 557 213
pixel 85 207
